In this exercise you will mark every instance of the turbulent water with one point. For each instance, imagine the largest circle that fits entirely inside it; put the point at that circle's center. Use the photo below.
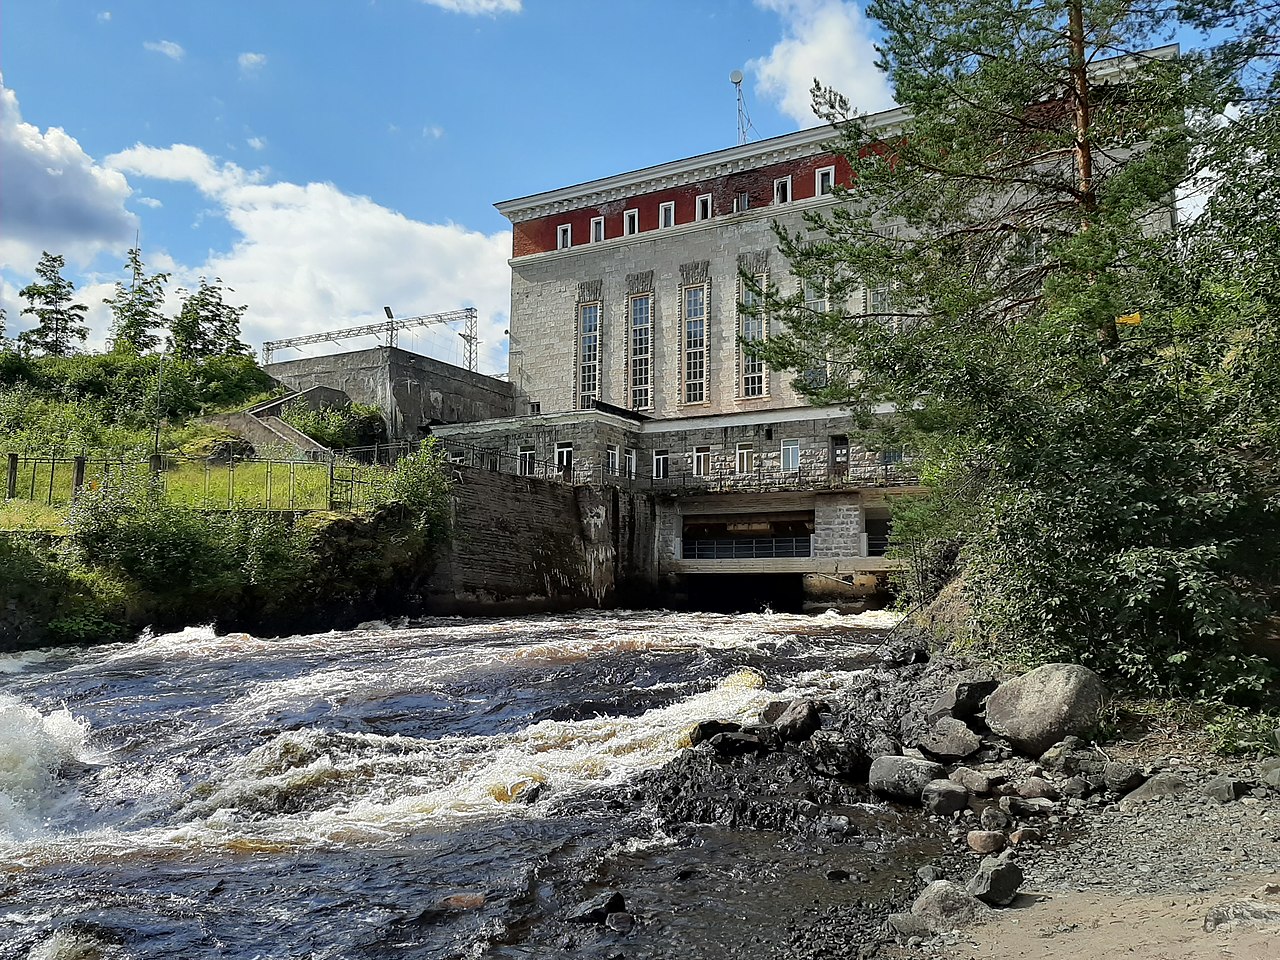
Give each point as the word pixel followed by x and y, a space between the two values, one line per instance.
pixel 364 794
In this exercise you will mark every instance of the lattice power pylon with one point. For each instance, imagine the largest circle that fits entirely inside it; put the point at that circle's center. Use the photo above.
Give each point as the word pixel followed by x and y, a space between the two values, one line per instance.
pixel 387 330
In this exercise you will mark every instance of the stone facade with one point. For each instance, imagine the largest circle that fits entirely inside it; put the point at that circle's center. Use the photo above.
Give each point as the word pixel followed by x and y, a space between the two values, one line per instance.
pixel 837 527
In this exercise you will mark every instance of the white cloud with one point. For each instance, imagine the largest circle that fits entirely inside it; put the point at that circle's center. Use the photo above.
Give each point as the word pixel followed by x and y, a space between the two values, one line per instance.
pixel 150 202
pixel 251 62
pixel 476 7
pixel 170 49
pixel 54 196
pixel 826 39
pixel 433 131
pixel 104 16
pixel 257 143
pixel 309 257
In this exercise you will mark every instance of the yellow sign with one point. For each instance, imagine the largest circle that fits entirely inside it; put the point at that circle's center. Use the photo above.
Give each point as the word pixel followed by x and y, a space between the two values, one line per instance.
pixel 1130 319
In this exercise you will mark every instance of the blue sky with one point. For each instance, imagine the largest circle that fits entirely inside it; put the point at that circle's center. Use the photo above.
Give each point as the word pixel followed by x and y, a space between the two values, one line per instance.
pixel 326 157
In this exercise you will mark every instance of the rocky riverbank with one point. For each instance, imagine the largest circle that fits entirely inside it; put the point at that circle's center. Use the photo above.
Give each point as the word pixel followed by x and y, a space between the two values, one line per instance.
pixel 1007 802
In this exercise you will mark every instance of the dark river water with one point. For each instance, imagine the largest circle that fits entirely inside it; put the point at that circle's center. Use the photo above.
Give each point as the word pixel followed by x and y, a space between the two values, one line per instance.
pixel 357 794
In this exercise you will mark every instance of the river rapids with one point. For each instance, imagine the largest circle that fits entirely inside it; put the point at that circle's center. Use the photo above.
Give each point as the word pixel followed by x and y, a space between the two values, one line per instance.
pixel 367 793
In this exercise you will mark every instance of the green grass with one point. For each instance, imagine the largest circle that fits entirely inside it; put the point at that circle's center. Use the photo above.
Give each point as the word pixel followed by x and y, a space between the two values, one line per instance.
pixel 25 515
pixel 246 485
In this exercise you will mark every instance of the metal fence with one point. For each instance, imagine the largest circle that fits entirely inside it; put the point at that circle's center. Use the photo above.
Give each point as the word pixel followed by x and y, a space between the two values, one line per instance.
pixel 758 548
pixel 720 478
pixel 235 484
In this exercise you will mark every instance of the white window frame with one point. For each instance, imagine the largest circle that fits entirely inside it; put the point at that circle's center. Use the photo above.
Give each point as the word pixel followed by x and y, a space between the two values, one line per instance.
pixel 630 222
pixel 693 349
pixel 666 215
pixel 587 355
pixel 808 286
pixel 640 362
pixel 535 408
pixel 817 181
pixel 782 190
pixel 789 456
pixel 597 229
pixel 629 458
pixel 564 456
pixel 745 460
pixel 611 459
pixel 703 208
pixel 525 460
pixel 742 201
pixel 564 236
pixel 702 461
pixel 661 464
pixel 748 367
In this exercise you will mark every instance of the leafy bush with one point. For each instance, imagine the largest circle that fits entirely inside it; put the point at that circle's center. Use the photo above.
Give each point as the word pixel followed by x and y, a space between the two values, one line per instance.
pixel 355 425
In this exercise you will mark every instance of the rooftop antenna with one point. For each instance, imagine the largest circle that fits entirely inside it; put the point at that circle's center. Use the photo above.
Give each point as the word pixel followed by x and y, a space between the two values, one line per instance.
pixel 744 122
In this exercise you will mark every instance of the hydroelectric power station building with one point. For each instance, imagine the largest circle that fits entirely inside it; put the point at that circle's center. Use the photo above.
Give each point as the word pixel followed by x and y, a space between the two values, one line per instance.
pixel 627 367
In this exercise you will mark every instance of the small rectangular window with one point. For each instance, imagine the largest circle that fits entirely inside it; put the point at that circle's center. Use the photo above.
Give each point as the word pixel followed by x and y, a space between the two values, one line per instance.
pixel 629 462
pixel 702 461
pixel 782 190
pixel 492 462
pixel 704 207
pixel 611 459
pixel 824 181
pixel 564 236
pixel 524 462
pixel 630 222
pixel 564 458
pixel 741 202
pixel 790 454
pixel 535 407
pixel 667 215
pixel 661 464
pixel 597 229
pixel 746 458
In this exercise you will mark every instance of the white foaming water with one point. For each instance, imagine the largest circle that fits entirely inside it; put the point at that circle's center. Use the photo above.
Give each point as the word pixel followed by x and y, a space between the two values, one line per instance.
pixel 32 749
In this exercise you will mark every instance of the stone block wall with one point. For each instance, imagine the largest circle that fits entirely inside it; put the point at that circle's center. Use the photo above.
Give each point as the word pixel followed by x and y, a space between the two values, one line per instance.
pixel 521 544
pixel 837 526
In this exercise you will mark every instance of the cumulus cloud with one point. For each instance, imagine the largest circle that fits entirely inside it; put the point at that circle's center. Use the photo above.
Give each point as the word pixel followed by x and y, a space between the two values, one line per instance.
pixel 257 143
pixel 150 202
pixel 251 62
pixel 826 39
pixel 55 196
pixel 477 7
pixel 309 257
pixel 168 48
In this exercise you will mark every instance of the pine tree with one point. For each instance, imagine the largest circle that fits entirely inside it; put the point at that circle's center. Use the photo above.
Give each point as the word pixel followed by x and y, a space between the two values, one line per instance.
pixel 60 321
pixel 1085 397
pixel 136 309
pixel 206 325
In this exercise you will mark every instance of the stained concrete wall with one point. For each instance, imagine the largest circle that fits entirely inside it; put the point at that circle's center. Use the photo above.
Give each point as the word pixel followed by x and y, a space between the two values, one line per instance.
pixel 411 390
pixel 522 544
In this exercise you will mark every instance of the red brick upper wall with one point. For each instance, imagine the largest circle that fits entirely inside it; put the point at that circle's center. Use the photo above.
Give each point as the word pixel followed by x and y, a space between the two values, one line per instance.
pixel 539 236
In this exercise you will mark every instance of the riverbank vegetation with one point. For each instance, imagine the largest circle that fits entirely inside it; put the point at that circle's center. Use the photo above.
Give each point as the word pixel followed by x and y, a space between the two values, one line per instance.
pixel 1063 277
pixel 130 557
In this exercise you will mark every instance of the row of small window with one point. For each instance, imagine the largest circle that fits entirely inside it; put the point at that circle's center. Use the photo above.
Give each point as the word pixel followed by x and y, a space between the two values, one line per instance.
pixel 824 185
pixel 625 465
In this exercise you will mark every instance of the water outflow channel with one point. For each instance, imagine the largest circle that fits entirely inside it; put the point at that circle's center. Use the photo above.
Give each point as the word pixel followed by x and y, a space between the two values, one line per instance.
pixel 363 794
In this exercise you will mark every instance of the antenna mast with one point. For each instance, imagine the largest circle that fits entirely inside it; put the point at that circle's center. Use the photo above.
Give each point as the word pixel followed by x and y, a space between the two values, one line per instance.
pixel 744 122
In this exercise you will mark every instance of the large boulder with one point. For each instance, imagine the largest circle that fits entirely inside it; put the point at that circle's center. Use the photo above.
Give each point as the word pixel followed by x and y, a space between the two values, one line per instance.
pixel 964 700
pixel 1038 709
pixel 996 882
pixel 949 740
pixel 798 721
pixel 903 778
pixel 943 797
pixel 836 756
pixel 947 906
pixel 1159 787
